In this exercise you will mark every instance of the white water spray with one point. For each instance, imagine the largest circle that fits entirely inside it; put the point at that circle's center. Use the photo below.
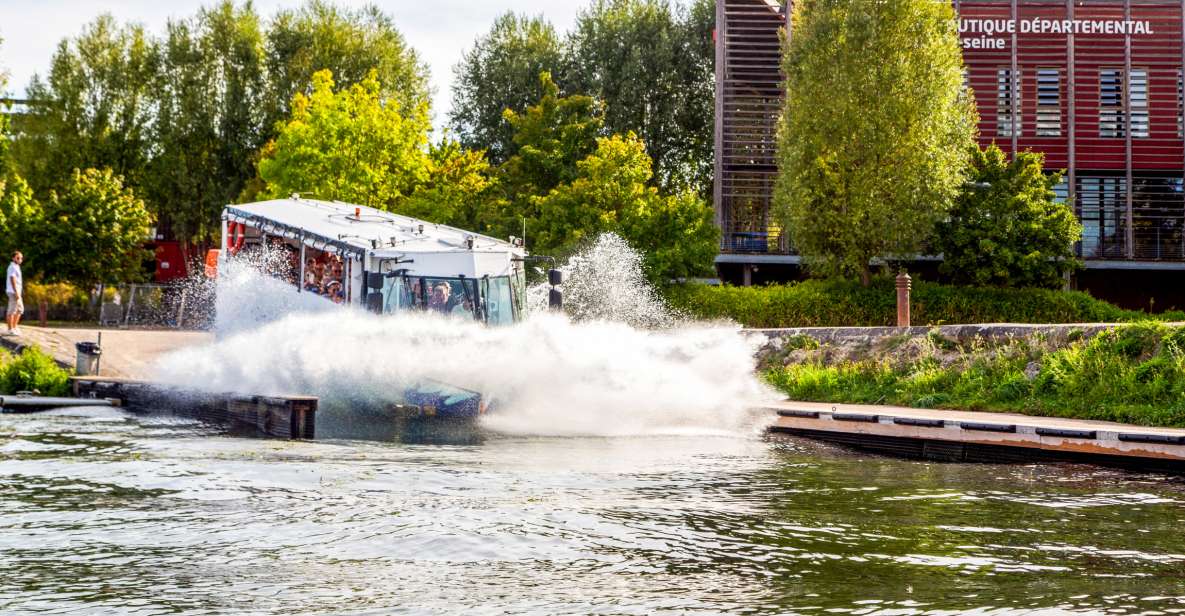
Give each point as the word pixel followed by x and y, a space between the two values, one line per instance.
pixel 549 375
pixel 604 282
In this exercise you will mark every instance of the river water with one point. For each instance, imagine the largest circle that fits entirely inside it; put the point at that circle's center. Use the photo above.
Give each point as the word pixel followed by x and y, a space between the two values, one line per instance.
pixel 105 511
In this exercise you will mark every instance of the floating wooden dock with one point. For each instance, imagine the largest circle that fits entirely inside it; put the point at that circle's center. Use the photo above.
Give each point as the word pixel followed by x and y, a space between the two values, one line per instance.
pixel 21 403
pixel 963 436
pixel 292 417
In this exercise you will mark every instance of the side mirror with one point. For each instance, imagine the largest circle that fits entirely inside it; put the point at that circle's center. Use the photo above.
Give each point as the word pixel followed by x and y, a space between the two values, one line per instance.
pixel 374 302
pixel 374 280
pixel 555 277
pixel 555 299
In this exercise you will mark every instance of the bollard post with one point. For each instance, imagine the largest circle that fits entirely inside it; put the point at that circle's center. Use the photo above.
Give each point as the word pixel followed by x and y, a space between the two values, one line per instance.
pixel 903 286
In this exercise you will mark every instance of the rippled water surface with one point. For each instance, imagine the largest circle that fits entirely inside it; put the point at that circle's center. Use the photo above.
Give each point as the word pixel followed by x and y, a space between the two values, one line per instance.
pixel 110 512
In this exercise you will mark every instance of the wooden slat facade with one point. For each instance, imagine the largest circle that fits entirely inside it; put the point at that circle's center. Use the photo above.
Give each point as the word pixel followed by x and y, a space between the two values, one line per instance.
pixel 748 102
pixel 1106 105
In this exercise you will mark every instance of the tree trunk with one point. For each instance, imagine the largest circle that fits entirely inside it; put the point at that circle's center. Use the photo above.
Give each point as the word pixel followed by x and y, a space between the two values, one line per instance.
pixel 43 312
pixel 866 276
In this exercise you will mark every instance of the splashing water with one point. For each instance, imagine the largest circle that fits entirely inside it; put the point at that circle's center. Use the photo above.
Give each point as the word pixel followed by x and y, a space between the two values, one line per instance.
pixel 605 283
pixel 552 375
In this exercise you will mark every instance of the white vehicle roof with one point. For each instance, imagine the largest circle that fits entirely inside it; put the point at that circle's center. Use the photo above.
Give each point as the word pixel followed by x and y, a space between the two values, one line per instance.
pixel 360 229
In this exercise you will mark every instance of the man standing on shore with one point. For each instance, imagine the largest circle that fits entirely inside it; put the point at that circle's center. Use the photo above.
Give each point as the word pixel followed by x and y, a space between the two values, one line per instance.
pixel 14 286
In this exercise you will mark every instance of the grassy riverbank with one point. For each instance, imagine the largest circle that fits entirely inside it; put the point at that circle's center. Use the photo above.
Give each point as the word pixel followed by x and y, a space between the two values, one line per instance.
pixel 839 303
pixel 1133 374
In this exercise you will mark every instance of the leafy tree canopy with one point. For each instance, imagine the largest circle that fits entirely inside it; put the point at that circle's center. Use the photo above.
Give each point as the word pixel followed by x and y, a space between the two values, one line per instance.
pixel 355 145
pixel 875 132
pixel 94 109
pixel 92 230
pixel 351 43
pixel 502 72
pixel 5 161
pixel 551 136
pixel 1007 228
pixel 211 89
pixel 18 212
pixel 649 61
pixel 351 145
pixel 653 65
pixel 459 189
pixel 182 117
pixel 611 192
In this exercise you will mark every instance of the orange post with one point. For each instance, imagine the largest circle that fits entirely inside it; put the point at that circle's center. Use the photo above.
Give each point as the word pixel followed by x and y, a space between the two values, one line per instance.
pixel 904 282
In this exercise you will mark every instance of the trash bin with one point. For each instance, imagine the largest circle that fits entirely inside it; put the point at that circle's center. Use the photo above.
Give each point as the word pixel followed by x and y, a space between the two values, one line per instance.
pixel 86 362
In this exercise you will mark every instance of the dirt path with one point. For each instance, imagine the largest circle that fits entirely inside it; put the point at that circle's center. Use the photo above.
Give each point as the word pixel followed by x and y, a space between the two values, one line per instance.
pixel 126 352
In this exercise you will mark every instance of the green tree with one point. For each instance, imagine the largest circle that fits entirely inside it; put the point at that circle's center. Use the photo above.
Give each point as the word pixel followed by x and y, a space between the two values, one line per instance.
pixel 92 230
pixel 18 208
pixel 501 72
pixel 5 160
pixel 876 130
pixel 652 65
pixel 351 43
pixel 1007 228
pixel 459 190
pixel 93 110
pixel 551 136
pixel 353 145
pixel 19 212
pixel 209 97
pixel 612 192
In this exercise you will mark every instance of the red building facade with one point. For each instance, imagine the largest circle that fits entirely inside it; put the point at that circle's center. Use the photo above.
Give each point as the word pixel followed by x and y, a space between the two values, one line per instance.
pixel 1094 84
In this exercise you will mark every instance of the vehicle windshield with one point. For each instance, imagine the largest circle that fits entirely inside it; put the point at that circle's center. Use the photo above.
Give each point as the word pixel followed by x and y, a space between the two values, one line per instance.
pixel 489 299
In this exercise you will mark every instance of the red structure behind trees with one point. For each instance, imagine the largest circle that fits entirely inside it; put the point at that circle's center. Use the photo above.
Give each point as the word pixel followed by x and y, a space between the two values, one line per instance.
pixel 1094 84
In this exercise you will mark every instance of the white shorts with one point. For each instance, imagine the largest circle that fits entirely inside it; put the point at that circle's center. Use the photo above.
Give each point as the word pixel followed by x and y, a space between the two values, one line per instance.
pixel 15 306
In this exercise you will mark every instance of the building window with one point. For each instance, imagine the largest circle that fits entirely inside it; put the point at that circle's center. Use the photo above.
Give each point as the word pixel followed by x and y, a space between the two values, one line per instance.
pixel 1137 102
pixel 1102 206
pixel 1049 102
pixel 1007 107
pixel 1111 122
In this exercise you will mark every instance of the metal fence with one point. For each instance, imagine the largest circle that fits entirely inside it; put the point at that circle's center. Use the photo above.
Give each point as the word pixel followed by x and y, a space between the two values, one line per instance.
pixel 187 305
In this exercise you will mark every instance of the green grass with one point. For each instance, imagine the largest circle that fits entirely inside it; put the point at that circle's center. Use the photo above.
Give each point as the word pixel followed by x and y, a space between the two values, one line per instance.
pixel 1132 374
pixel 837 303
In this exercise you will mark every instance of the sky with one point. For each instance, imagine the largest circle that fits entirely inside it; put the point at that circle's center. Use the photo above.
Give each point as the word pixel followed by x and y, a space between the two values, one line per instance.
pixel 440 30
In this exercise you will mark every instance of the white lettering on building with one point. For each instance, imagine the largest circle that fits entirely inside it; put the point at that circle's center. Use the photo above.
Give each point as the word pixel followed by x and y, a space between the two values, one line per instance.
pixel 988 28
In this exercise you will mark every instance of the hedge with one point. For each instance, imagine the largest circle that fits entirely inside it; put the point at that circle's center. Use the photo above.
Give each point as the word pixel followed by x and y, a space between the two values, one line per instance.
pixel 839 303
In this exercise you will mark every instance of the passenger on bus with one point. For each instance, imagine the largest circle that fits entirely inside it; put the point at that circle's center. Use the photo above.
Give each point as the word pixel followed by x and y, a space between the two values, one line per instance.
pixel 319 269
pixel 338 269
pixel 335 292
pixel 312 284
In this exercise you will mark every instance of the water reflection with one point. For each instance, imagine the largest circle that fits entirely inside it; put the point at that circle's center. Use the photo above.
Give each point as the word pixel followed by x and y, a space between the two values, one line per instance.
pixel 144 515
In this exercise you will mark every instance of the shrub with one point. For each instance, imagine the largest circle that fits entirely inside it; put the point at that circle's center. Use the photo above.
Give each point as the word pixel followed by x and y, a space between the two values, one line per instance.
pixel 33 370
pixel 54 294
pixel 1007 228
pixel 838 303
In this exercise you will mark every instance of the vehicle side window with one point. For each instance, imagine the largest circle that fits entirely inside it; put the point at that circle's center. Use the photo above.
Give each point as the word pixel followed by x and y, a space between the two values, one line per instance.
pixel 498 300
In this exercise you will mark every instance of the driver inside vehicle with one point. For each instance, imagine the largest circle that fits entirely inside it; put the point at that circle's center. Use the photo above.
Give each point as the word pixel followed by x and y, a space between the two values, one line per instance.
pixel 439 300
